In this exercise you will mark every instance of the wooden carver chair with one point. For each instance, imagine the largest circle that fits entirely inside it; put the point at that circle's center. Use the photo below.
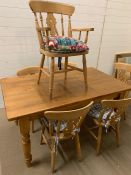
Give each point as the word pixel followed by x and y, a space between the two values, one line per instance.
pixel 106 116
pixel 62 125
pixel 28 71
pixel 39 7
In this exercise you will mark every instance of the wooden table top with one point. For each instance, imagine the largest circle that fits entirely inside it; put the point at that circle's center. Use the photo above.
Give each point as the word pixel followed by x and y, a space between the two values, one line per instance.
pixel 24 97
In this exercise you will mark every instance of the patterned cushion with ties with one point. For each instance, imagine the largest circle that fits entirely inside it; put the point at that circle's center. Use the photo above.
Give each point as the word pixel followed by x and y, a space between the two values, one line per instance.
pixel 62 44
pixel 107 115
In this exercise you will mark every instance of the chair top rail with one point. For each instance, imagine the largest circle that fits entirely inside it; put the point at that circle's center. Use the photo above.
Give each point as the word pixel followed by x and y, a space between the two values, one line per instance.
pixel 68 115
pixel 123 66
pixel 51 7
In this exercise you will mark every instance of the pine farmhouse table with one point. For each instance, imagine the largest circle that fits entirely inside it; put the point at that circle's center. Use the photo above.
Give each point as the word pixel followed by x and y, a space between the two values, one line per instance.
pixel 25 100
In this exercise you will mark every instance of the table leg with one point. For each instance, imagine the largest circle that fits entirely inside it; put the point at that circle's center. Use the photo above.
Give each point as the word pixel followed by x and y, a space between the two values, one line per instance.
pixel 24 125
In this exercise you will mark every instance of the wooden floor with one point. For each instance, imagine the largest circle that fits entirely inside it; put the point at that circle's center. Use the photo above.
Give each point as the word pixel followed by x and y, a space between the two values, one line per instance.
pixel 112 161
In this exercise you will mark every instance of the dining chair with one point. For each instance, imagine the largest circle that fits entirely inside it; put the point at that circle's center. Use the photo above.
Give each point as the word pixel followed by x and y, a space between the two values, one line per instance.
pixel 59 126
pixel 123 57
pixel 49 36
pixel 123 73
pixel 24 72
pixel 106 115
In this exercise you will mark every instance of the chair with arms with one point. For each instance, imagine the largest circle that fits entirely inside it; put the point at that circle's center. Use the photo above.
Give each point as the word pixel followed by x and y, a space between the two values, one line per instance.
pixel 106 115
pixel 24 72
pixel 62 125
pixel 45 31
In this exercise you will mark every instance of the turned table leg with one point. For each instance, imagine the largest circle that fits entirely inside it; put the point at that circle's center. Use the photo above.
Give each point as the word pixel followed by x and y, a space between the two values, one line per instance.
pixel 24 125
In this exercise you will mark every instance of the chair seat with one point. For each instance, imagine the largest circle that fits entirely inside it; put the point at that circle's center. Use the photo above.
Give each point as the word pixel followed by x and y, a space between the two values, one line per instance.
pixel 61 44
pixel 56 54
pixel 64 46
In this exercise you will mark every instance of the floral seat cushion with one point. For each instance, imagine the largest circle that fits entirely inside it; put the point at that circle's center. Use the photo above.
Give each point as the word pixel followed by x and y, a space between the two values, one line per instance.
pixel 62 44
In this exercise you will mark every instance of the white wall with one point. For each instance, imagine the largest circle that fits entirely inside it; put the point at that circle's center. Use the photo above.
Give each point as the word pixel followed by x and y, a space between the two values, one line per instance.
pixel 18 39
pixel 117 33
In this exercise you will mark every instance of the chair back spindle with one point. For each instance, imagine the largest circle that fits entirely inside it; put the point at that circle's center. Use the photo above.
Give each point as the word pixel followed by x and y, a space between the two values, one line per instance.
pixel 62 25
pixel 117 108
pixel 50 8
pixel 86 37
pixel 66 122
pixel 69 27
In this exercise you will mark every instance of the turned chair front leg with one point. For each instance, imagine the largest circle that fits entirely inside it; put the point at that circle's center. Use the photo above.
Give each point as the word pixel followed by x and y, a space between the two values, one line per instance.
pixel 52 68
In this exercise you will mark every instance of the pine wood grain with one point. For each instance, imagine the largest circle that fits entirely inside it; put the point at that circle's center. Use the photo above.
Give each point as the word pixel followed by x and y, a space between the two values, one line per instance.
pixel 24 97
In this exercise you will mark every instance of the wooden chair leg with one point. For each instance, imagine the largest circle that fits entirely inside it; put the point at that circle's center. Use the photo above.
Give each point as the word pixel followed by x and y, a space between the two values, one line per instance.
pixel 32 126
pixel 118 134
pixel 78 147
pixel 63 153
pixel 51 77
pixel 66 64
pixel 16 122
pixel 53 160
pixel 85 71
pixel 99 140
pixel 42 140
pixel 41 66
pixel 124 115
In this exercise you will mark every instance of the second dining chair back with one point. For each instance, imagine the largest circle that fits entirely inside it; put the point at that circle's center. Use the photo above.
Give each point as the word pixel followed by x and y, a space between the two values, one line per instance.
pixel 123 71
pixel 107 116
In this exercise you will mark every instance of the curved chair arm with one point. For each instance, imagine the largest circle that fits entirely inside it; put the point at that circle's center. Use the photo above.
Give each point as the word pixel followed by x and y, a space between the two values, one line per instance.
pixel 83 30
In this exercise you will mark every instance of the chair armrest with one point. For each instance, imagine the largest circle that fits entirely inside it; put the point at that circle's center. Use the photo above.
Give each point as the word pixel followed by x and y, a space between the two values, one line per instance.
pixel 87 30
pixel 82 29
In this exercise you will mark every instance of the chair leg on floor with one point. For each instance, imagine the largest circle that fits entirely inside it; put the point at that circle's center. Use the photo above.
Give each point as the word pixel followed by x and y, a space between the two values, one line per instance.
pixel 118 134
pixel 124 115
pixel 78 147
pixel 53 159
pixel 99 140
pixel 41 66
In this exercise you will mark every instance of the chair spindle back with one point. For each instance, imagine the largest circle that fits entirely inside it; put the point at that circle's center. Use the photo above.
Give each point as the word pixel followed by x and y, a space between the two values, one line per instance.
pixel 39 7
pixel 66 122
pixel 117 107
